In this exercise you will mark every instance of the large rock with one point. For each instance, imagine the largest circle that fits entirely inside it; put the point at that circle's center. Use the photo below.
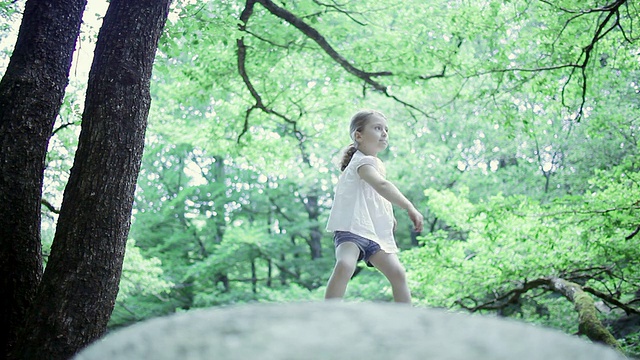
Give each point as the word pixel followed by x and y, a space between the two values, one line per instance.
pixel 337 330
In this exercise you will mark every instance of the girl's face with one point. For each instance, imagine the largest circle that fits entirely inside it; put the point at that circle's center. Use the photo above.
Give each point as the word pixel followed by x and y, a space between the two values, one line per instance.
pixel 374 136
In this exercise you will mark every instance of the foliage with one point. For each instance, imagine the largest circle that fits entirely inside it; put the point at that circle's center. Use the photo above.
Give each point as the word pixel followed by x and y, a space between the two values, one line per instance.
pixel 9 11
pixel 512 240
pixel 504 132
pixel 514 128
pixel 143 289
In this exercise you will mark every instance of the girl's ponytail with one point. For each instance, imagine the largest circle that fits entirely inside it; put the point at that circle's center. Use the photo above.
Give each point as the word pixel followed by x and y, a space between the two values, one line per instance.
pixel 346 158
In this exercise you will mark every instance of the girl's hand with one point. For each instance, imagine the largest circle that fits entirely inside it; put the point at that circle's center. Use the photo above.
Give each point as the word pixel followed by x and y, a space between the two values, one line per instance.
pixel 416 218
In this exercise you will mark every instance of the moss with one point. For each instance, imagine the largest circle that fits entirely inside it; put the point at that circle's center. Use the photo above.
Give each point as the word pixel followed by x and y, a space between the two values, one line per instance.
pixel 590 324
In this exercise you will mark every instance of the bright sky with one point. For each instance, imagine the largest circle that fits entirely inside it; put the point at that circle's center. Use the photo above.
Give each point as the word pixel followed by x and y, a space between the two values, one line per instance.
pixel 83 56
pixel 92 20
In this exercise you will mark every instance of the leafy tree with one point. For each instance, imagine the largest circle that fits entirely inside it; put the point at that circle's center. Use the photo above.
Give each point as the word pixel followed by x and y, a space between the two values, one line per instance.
pixel 512 124
pixel 31 93
pixel 75 297
pixel 143 289
pixel 491 105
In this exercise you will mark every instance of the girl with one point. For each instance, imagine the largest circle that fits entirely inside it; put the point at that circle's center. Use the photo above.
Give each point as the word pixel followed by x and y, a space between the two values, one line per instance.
pixel 362 216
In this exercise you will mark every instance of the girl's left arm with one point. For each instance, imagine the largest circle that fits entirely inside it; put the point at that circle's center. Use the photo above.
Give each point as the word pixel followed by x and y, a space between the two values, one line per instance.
pixel 390 192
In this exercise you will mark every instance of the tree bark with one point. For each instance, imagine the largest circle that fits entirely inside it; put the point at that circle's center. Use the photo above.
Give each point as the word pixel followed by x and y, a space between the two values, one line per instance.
pixel 315 235
pixel 31 93
pixel 589 324
pixel 80 284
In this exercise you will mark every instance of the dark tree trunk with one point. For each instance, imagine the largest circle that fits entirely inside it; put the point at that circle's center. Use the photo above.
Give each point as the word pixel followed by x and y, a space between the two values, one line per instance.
pixel 31 93
pixel 80 284
pixel 315 235
pixel 254 277
pixel 414 237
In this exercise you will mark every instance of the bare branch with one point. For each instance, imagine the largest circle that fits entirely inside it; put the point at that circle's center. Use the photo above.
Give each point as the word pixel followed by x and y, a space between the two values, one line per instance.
pixel 510 297
pixel 49 206
pixel 337 7
pixel 612 10
pixel 611 7
pixel 279 209
pixel 634 206
pixel 534 70
pixel 634 233
pixel 611 300
pixel 63 126
pixel 266 40
pixel 434 76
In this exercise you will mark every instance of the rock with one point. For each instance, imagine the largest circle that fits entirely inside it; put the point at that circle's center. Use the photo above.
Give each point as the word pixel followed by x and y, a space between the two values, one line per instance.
pixel 338 330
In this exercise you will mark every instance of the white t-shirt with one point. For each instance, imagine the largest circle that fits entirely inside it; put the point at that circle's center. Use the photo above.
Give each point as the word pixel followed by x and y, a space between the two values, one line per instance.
pixel 359 209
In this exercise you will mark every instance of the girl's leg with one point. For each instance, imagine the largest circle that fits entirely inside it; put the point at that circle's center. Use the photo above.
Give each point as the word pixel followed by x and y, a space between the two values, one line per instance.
pixel 390 266
pixel 346 258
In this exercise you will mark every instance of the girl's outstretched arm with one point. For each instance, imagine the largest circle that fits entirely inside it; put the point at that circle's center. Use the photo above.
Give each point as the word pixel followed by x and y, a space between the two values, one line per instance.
pixel 390 192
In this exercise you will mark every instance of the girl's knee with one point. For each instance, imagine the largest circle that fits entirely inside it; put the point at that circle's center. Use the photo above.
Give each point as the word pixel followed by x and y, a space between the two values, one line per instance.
pixel 345 266
pixel 397 274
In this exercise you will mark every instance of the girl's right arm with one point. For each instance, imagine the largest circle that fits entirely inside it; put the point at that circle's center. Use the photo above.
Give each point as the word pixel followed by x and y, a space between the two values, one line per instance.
pixel 390 192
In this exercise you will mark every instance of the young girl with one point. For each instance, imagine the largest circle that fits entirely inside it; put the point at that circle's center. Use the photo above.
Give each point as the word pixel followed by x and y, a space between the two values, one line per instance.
pixel 362 216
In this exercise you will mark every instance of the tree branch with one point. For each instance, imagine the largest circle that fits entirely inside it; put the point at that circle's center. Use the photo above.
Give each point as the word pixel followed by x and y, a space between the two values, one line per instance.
pixel 320 40
pixel 313 34
pixel 62 127
pixel 612 10
pixel 589 324
pixel 49 206
pixel 259 104
pixel 337 7
pixel 611 300
pixel 611 7
pixel 634 233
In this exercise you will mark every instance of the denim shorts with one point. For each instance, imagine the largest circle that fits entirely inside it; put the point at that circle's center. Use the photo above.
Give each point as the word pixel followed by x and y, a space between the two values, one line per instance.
pixel 367 247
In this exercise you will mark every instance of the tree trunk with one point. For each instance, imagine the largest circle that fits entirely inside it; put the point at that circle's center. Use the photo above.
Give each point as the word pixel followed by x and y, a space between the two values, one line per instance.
pixel 80 284
pixel 254 277
pixel 589 324
pixel 31 93
pixel 315 235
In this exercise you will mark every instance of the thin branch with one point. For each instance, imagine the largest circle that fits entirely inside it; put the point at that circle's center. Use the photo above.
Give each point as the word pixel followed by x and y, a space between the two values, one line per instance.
pixel 544 68
pixel 434 76
pixel 611 7
pixel 584 212
pixel 505 299
pixel 320 40
pixel 279 209
pixel 589 324
pixel 611 300
pixel 337 7
pixel 634 233
pixel 63 126
pixel 242 55
pixel 266 40
pixel 49 206
pixel 313 34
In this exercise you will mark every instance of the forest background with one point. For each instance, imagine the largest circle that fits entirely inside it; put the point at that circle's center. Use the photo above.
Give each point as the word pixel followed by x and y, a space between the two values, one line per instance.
pixel 513 128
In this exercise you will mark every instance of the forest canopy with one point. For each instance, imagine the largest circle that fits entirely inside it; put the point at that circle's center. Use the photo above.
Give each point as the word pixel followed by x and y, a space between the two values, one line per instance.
pixel 513 127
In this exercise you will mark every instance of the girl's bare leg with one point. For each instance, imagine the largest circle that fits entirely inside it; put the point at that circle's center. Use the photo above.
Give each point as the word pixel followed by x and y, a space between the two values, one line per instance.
pixel 390 266
pixel 346 258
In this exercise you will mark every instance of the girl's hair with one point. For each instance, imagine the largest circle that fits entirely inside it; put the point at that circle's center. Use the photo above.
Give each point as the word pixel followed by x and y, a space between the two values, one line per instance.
pixel 358 121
